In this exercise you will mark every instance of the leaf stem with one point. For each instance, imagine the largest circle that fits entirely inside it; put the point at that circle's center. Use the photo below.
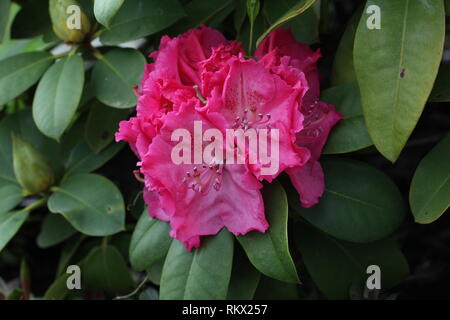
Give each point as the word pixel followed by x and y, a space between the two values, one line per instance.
pixel 35 205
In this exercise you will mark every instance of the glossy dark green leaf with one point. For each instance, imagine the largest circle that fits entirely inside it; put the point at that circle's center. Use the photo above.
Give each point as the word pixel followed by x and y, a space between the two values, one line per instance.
pixel 82 159
pixel 150 242
pixel 4 17
pixel 269 251
pixel 58 95
pixel 140 18
pixel 429 195
pixel 91 203
pixel 396 67
pixel 202 274
pixel 298 8
pixel 350 134
pixel 441 89
pixel 304 27
pixel 105 10
pixel 10 223
pixel 102 123
pixel 10 196
pixel 113 80
pixel 199 12
pixel 54 229
pixel 104 269
pixel 343 71
pixel 20 72
pixel 336 266
pixel 360 203
pixel 244 278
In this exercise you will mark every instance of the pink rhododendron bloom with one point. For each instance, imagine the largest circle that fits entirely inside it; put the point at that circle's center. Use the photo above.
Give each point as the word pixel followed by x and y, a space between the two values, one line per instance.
pixel 201 79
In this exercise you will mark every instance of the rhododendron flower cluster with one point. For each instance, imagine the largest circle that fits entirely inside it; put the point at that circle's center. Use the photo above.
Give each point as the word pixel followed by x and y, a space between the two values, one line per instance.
pixel 200 77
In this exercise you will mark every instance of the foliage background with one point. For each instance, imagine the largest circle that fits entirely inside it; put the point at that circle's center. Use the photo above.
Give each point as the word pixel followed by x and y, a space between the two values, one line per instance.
pixel 68 195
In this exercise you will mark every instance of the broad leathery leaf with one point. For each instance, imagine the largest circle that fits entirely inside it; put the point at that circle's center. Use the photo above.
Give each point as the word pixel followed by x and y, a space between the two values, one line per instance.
pixel 10 223
pixel 300 7
pixel 54 230
pixel 396 66
pixel 429 195
pixel 10 196
pixel 202 274
pixel 32 169
pixel 105 10
pixel 350 134
pixel 18 73
pixel 91 203
pixel 336 266
pixel 269 251
pixel 141 18
pixel 58 95
pixel 114 80
pixel 360 203
pixel 150 241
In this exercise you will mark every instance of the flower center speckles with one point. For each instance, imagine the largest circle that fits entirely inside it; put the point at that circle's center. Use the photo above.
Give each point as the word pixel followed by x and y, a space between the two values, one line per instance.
pixel 251 118
pixel 203 179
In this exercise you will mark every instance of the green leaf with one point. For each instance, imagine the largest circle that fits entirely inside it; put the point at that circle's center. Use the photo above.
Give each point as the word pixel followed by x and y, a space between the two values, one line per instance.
pixel 102 124
pixel 300 7
pixel 429 195
pixel 140 18
pixel 11 195
pixel 58 95
pixel 360 203
pixel 305 28
pixel 10 223
pixel 91 203
pixel 244 278
pixel 113 80
pixel 269 251
pixel 20 72
pixel 150 242
pixel 343 71
pixel 350 134
pixel 271 289
pixel 4 17
pixel 83 160
pixel 68 252
pixel 199 12
pixel 154 272
pixel 58 289
pixel 104 269
pixel 395 80
pixel 54 230
pixel 336 266
pixel 105 10
pixel 441 90
pixel 203 274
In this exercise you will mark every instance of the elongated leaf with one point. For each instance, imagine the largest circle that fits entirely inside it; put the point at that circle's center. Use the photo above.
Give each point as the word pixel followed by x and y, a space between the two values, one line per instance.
pixel 4 17
pixel 91 203
pixel 244 278
pixel 10 196
pixel 343 71
pixel 154 272
pixel 140 18
pixel 102 124
pixel 269 251
pixel 20 72
pixel 396 67
pixel 10 223
pixel 105 10
pixel 350 134
pixel 83 160
pixel 300 7
pixel 201 274
pixel 113 80
pixel 430 187
pixel 360 203
pixel 106 270
pixel 441 89
pixel 58 95
pixel 54 229
pixel 150 242
pixel 336 266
